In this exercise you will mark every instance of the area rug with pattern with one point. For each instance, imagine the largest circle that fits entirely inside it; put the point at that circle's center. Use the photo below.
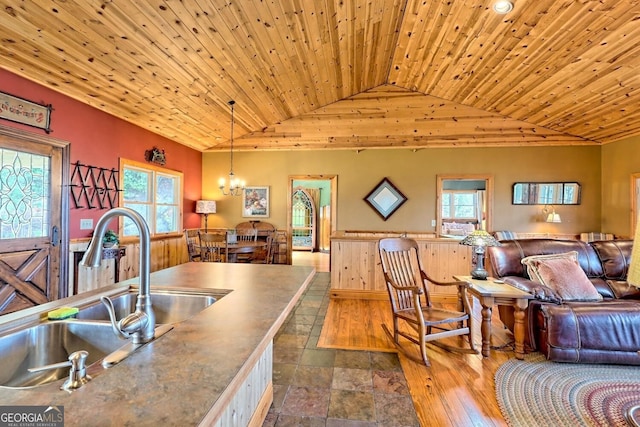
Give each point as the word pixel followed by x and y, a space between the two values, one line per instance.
pixel 537 392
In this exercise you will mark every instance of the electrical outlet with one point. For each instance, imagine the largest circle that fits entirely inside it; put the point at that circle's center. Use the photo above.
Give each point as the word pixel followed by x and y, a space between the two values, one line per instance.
pixel 433 222
pixel 86 224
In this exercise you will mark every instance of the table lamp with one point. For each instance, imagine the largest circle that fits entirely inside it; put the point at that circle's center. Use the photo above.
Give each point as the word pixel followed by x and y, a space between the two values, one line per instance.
pixel 205 207
pixel 479 239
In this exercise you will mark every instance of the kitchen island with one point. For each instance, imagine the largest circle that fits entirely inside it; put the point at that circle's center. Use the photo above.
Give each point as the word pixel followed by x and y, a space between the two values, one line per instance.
pixel 212 369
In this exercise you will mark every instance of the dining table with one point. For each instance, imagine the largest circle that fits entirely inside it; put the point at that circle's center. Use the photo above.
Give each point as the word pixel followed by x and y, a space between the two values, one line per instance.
pixel 243 247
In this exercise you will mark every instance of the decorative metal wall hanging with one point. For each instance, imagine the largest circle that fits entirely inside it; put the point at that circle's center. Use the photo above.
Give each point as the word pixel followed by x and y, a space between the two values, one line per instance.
pixel 155 155
pixel 96 186
pixel 385 198
pixel 20 110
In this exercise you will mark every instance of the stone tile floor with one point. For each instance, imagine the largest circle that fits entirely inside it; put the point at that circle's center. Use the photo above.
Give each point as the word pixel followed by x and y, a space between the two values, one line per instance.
pixel 316 387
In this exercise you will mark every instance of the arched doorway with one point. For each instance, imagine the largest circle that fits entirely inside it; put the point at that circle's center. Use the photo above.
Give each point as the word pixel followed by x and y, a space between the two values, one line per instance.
pixel 325 210
pixel 303 221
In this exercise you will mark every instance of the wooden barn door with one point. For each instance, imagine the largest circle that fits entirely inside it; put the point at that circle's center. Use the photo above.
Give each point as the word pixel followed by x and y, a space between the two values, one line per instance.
pixel 31 220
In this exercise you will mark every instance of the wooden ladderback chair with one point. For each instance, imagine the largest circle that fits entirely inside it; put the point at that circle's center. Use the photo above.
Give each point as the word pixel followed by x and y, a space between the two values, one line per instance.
pixel 279 247
pixel 263 228
pixel 269 249
pixel 213 246
pixel 265 256
pixel 247 234
pixel 414 315
pixel 193 244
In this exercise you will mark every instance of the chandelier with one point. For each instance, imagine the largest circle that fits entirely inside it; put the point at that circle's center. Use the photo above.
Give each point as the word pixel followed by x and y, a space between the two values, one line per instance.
pixel 236 186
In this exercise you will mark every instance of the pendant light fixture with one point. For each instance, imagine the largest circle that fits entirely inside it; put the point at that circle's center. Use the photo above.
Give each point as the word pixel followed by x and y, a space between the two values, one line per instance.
pixel 236 186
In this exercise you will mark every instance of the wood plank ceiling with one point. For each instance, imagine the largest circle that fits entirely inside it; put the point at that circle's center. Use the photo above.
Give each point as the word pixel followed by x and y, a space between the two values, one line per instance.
pixel 340 74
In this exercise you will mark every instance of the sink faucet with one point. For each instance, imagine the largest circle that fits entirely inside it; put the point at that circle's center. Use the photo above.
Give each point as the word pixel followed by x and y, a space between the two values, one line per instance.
pixel 141 324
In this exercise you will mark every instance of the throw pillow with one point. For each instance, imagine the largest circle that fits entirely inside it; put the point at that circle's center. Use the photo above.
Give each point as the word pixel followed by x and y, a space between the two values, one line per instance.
pixel 530 261
pixel 565 276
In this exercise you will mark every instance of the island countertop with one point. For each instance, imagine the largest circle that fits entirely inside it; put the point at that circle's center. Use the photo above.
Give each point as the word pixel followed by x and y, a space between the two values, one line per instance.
pixel 180 379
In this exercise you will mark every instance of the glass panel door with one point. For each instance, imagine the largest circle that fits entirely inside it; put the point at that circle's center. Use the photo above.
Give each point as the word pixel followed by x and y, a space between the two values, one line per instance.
pixel 24 194
pixel 303 218
pixel 32 236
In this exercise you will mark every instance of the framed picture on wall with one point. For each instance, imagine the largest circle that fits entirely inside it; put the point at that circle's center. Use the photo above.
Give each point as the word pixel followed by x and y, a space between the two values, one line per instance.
pixel 385 199
pixel 255 202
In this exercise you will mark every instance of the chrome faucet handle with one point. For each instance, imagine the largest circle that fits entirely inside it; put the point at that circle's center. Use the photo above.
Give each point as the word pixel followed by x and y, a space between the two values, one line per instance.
pixel 112 316
pixel 133 325
pixel 77 374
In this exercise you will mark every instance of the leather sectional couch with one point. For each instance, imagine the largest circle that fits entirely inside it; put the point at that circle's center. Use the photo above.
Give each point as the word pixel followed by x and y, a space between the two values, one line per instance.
pixel 605 329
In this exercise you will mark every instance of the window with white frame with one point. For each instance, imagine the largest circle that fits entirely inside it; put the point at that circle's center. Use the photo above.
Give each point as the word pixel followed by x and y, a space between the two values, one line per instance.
pixel 153 192
pixel 459 205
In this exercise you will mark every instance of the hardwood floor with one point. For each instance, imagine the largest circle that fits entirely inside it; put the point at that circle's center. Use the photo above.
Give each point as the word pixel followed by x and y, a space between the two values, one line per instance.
pixel 457 390
pixel 319 260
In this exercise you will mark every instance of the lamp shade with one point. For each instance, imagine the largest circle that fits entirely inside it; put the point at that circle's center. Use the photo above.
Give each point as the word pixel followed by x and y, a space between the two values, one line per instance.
pixel 479 238
pixel 554 217
pixel 634 268
pixel 206 206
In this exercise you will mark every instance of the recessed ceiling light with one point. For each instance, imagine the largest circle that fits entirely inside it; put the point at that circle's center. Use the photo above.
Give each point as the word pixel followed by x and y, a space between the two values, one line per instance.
pixel 503 6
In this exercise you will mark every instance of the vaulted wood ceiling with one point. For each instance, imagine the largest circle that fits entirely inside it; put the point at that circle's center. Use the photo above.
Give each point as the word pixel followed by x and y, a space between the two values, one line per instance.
pixel 309 74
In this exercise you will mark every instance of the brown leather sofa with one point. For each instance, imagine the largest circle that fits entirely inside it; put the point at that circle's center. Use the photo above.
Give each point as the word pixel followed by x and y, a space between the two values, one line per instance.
pixel 606 331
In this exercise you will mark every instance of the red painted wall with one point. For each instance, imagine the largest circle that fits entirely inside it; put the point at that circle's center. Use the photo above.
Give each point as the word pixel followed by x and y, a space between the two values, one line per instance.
pixel 99 139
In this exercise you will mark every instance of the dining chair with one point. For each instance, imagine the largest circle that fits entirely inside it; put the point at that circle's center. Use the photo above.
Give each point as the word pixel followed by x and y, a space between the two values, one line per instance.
pixel 407 286
pixel 246 235
pixel 264 255
pixel 213 246
pixel 263 228
pixel 279 249
pixel 193 244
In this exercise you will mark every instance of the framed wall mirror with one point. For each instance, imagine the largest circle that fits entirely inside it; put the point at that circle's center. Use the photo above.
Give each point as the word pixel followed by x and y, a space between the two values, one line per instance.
pixel 546 193
pixel 463 204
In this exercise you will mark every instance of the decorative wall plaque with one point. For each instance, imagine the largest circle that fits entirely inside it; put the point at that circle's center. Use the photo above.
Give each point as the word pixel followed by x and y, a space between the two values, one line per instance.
pixel 20 110
pixel 155 155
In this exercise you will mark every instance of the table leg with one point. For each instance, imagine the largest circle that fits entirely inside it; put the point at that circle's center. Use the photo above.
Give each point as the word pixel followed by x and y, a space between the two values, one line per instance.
pixel 485 327
pixel 518 327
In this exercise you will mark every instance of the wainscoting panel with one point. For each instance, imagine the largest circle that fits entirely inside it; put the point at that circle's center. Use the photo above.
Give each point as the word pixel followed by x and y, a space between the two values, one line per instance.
pixel 356 270
pixel 165 252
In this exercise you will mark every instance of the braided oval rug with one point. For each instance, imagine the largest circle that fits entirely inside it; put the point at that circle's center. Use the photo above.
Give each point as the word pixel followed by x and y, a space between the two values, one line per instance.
pixel 536 392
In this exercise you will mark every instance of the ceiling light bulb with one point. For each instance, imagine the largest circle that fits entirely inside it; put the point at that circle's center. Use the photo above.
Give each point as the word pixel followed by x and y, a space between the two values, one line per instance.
pixel 502 7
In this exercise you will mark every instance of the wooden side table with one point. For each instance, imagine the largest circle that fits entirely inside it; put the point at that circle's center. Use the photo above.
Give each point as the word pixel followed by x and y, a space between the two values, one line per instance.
pixel 490 293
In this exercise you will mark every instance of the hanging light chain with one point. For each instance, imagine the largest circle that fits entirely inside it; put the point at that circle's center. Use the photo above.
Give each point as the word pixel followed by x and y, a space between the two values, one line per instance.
pixel 232 103
pixel 235 185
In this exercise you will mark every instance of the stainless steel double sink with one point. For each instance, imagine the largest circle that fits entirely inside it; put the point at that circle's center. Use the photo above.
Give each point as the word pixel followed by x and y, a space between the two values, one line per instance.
pixel 50 342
